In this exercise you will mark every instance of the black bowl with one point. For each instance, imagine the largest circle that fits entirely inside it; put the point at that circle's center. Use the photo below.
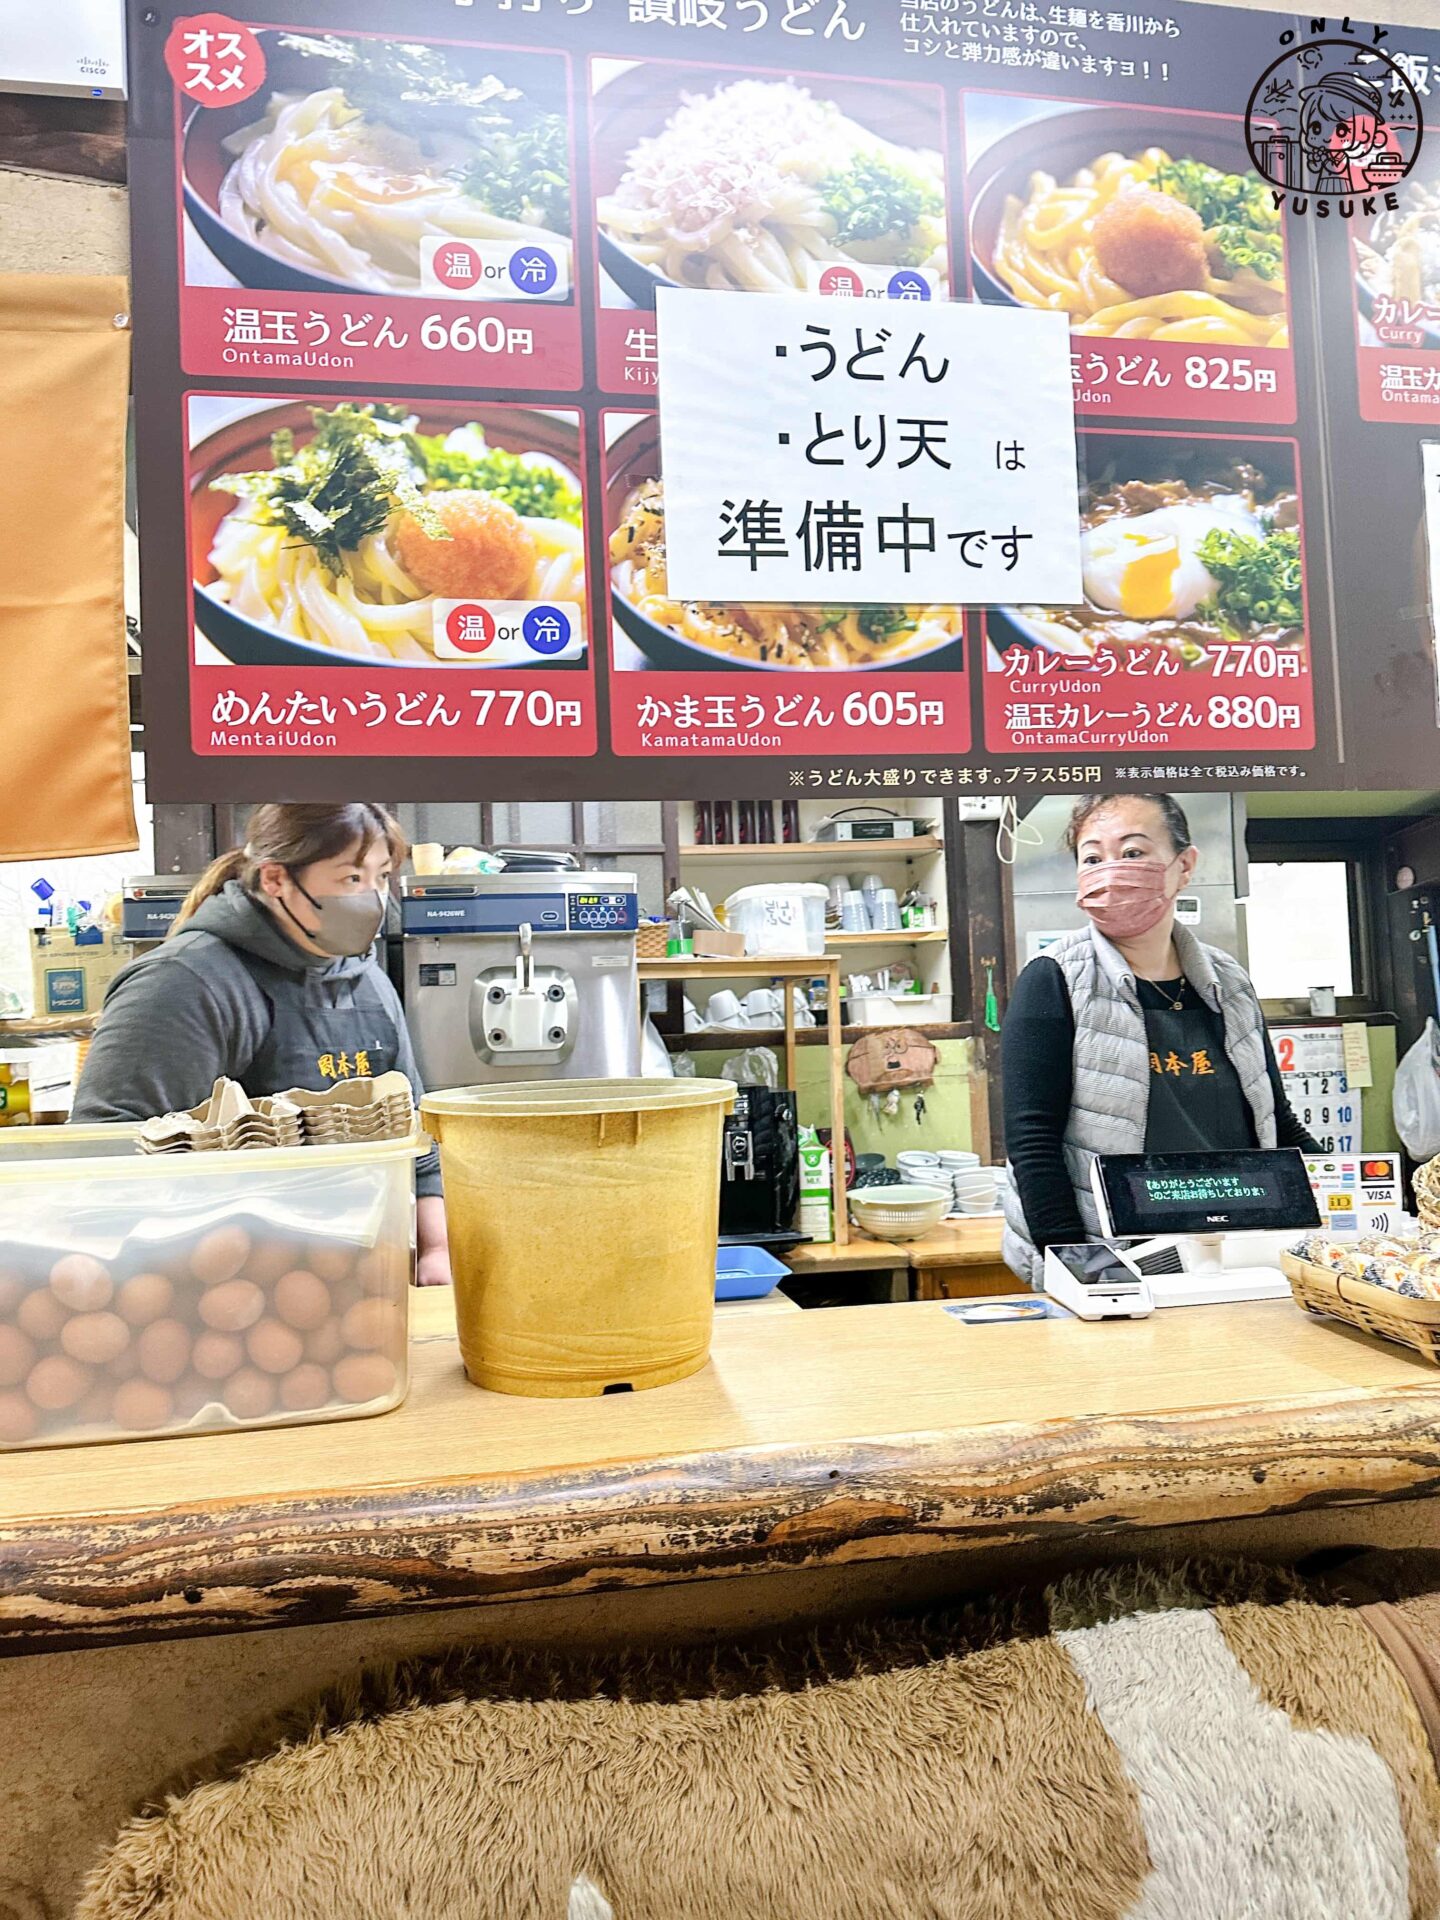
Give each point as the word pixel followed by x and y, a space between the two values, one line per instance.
pixel 1062 143
pixel 634 457
pixel 243 444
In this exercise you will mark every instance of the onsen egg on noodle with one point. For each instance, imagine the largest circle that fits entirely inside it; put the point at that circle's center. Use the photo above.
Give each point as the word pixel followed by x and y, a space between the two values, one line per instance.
pixel 1149 567
pixel 489 555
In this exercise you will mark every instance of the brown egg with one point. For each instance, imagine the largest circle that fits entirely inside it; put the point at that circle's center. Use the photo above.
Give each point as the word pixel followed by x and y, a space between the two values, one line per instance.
pixel 164 1349
pixel 326 1344
pixel 232 1307
pixel 302 1300
pixel 94 1409
pixel 140 1406
pixel 364 1376
pixel 271 1258
pixel 18 1419
pixel 40 1314
pixel 94 1338
pixel 12 1291
pixel 249 1395
pixel 125 1365
pixel 220 1255
pixel 374 1323
pixel 331 1260
pixel 57 1382
pixel 217 1355
pixel 274 1347
pixel 80 1283
pixel 384 1270
pixel 17 1356
pixel 304 1389
pixel 144 1297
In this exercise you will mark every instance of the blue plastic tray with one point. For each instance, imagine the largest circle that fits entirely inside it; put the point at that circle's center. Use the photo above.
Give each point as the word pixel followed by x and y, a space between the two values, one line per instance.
pixel 746 1273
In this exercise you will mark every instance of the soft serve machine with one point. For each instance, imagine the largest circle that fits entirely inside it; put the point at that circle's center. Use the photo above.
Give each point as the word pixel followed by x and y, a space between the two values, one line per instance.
pixel 521 975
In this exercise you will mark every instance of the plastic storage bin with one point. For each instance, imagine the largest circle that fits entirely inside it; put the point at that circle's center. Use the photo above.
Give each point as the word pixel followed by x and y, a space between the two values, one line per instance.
pixel 143 1295
pixel 746 1273
pixel 781 919
pixel 584 1221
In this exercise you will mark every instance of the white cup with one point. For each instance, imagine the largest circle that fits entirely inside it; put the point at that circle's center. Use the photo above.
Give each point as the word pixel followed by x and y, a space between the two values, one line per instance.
pixel 854 915
pixel 723 1009
pixel 764 1006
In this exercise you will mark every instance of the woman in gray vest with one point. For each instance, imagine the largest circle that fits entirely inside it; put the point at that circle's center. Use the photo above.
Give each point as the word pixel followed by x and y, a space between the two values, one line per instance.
pixel 1129 1036
pixel 269 977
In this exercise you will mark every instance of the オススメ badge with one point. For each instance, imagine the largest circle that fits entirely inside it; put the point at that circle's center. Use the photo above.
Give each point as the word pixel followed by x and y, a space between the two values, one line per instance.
pixel 1334 124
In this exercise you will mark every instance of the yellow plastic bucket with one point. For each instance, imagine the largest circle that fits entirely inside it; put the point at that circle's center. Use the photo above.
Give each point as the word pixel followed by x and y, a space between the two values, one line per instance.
pixel 583 1219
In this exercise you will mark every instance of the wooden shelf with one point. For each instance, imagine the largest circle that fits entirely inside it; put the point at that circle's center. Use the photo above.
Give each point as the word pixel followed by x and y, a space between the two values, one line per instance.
pixel 930 937
pixel 833 850
pixel 807 1036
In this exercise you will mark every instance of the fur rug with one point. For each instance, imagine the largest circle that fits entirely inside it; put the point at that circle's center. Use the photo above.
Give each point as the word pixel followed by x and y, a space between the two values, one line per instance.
pixel 1192 1743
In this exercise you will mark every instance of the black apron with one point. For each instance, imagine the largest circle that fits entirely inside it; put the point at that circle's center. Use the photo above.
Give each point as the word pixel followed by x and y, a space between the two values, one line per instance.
pixel 312 1044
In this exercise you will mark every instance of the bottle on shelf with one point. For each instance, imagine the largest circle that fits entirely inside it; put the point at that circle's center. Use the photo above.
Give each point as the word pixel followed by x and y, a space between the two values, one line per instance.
pixel 765 822
pixel 790 822
pixel 745 820
pixel 704 823
pixel 724 823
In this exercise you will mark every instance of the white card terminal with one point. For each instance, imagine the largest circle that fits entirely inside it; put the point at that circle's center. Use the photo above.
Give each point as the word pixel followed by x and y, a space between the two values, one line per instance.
pixel 1096 1282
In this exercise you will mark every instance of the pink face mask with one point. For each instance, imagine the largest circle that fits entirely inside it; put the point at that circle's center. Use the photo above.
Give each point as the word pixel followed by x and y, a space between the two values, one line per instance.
pixel 1124 898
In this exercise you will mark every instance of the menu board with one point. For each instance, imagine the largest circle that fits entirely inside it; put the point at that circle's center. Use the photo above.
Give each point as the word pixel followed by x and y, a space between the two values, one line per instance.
pixel 397 364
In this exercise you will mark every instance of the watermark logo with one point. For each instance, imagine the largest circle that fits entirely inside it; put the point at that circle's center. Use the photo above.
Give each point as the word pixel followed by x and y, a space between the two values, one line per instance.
pixel 1334 124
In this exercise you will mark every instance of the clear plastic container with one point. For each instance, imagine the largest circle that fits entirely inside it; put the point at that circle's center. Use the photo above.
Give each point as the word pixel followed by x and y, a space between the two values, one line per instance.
pixel 779 919
pixel 145 1295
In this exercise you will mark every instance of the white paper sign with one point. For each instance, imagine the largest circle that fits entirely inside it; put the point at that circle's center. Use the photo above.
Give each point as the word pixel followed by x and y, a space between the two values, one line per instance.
pixel 876 453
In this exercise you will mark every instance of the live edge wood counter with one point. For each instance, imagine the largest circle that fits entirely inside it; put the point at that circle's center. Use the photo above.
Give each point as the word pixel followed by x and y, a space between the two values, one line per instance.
pixel 873 1433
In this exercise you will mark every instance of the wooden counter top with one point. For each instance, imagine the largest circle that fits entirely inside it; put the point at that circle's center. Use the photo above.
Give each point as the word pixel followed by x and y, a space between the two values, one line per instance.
pixel 874 1432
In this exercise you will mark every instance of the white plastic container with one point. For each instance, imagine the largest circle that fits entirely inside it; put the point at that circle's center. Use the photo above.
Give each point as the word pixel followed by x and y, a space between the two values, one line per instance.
pixel 784 919
pixel 899 1009
pixel 143 1295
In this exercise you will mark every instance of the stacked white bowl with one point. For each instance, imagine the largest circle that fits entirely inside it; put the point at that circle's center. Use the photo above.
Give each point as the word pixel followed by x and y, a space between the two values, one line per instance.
pixel 975 1187
pixel 918 1167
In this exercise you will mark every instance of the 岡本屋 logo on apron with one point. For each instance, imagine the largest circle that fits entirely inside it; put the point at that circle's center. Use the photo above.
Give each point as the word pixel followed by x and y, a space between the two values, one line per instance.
pixel 1334 125
pixel 346 1066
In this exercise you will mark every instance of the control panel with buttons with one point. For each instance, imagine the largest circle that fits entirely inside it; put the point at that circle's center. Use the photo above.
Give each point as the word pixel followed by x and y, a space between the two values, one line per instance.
pixel 603 912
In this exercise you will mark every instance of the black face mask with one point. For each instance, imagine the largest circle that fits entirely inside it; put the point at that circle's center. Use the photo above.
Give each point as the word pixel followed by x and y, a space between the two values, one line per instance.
pixel 350 923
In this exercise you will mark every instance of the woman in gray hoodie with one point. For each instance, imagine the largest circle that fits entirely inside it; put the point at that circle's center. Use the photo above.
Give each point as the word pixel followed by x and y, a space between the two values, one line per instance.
pixel 269 977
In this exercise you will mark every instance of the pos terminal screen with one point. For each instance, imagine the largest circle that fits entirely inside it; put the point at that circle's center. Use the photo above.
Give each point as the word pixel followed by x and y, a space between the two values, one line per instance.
pixel 1266 1189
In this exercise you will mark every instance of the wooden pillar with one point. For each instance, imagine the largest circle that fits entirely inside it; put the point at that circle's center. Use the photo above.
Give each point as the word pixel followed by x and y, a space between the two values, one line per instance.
pixel 981 944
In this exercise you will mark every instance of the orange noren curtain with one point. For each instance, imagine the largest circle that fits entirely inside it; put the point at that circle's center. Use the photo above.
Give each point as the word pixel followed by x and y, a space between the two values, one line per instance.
pixel 64 704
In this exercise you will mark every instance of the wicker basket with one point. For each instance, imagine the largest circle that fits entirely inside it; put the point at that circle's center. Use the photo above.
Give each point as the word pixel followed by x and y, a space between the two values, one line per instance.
pixel 1377 1310
pixel 652 940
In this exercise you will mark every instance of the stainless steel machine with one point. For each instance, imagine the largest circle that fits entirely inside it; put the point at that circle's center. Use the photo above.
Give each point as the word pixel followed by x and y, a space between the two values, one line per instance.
pixel 521 976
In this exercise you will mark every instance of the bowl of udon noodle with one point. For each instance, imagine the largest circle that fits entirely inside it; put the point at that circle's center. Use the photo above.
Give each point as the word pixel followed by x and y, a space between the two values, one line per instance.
pixel 1139 228
pixel 322 536
pixel 737 184
pixel 692 634
pixel 1185 546
pixel 355 151
pixel 1399 260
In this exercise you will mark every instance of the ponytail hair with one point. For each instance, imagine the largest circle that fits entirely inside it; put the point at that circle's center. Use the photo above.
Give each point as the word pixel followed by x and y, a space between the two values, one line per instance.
pixel 295 835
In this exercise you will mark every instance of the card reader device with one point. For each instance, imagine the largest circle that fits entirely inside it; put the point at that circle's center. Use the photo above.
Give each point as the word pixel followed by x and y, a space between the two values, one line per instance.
pixel 1095 1281
pixel 1197 1216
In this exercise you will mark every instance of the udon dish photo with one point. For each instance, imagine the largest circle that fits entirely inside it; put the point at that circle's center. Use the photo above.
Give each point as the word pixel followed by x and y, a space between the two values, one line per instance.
pixel 1400 260
pixel 753 184
pixel 326 535
pixel 1184 549
pixel 357 151
pixel 1134 238
pixel 678 634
